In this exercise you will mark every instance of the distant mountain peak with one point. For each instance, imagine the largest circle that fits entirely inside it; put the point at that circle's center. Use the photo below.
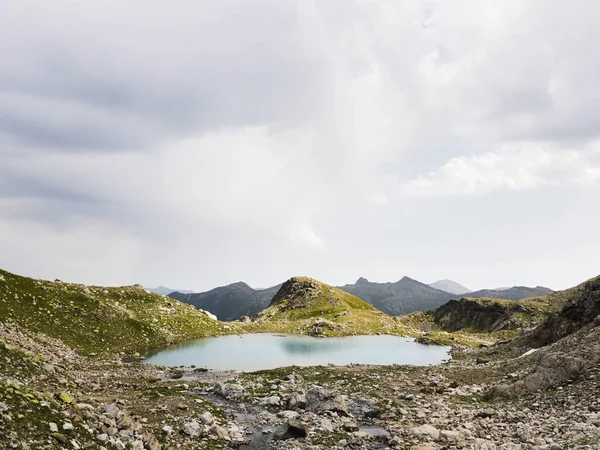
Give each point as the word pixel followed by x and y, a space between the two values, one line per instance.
pixel 362 281
pixel 450 286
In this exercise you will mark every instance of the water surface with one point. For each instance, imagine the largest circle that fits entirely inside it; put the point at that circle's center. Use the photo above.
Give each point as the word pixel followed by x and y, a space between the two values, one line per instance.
pixel 251 352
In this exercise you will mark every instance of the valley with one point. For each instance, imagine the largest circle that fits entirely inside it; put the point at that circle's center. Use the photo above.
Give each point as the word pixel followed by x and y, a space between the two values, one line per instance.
pixel 73 373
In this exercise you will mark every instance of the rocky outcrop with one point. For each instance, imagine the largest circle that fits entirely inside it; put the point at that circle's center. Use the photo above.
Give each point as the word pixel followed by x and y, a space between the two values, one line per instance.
pixel 552 369
pixel 321 400
pixel 480 315
pixel 581 310
pixel 297 292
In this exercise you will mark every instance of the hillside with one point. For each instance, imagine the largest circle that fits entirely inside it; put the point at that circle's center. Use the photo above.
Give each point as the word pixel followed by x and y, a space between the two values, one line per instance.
pixel 490 315
pixel 450 286
pixel 402 297
pixel 581 308
pixel 230 302
pixel 307 306
pixel 93 319
pixel 512 293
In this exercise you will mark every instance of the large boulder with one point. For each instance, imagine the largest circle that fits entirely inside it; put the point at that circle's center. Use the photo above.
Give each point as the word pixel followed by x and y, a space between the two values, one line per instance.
pixel 320 400
pixel 552 369
pixel 293 429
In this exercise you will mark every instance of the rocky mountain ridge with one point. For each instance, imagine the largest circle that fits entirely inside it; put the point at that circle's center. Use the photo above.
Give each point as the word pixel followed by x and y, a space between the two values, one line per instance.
pixel 407 295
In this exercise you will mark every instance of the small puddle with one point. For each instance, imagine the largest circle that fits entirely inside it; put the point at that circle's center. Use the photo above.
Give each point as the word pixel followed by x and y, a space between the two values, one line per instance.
pixel 261 439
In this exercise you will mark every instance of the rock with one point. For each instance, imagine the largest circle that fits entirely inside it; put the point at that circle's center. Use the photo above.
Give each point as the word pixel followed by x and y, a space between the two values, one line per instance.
pixel 326 425
pixel 60 438
pixel 425 447
pixel 552 369
pixel 67 426
pixel 207 418
pixel 427 431
pixel 273 400
pixel 53 427
pixel 65 398
pixel 167 430
pixel 451 435
pixel 191 428
pixel 208 314
pixel 219 431
pixel 291 430
pixel 111 410
pixel 297 400
pixel 321 400
pixel 288 414
pixel 85 407
pixel 485 414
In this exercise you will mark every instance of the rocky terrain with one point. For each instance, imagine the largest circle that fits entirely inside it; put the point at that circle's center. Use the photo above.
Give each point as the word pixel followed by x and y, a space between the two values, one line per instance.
pixel 56 392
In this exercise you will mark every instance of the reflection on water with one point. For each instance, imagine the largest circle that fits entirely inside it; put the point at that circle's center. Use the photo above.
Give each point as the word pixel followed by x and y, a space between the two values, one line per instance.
pixel 301 347
pixel 267 351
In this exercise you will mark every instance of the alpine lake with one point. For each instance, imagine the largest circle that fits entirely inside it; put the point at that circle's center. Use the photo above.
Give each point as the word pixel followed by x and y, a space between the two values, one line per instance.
pixel 262 351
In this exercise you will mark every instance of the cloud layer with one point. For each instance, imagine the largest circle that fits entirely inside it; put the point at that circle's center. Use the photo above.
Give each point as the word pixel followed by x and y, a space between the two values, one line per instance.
pixel 198 143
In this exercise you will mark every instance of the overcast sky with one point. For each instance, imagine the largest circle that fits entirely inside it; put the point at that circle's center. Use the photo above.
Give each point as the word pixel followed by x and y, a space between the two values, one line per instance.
pixel 197 143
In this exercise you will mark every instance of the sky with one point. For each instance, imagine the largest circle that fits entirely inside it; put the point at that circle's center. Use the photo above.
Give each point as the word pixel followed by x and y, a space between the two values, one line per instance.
pixel 197 143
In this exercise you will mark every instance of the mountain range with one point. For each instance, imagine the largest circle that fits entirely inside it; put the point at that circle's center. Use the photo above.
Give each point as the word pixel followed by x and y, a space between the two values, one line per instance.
pixel 401 297
pixel 512 293
pixel 407 295
pixel 230 302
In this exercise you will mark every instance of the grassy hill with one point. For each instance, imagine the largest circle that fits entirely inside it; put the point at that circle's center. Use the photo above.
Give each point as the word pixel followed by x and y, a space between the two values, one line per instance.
pixel 307 306
pixel 92 319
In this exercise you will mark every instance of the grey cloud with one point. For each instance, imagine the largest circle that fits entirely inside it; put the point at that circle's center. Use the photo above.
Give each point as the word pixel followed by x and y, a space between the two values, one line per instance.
pixel 201 142
pixel 157 67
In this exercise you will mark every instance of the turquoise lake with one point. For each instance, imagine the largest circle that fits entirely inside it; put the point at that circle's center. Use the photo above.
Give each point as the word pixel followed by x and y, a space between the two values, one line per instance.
pixel 250 352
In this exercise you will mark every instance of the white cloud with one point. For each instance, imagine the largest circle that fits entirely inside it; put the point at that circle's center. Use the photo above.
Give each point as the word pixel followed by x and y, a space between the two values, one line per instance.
pixel 514 167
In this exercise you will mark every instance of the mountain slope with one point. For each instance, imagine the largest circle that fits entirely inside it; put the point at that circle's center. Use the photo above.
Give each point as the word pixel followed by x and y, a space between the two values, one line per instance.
pixel 450 286
pixel 94 319
pixel 307 306
pixel 513 293
pixel 491 315
pixel 230 302
pixel 581 308
pixel 402 297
